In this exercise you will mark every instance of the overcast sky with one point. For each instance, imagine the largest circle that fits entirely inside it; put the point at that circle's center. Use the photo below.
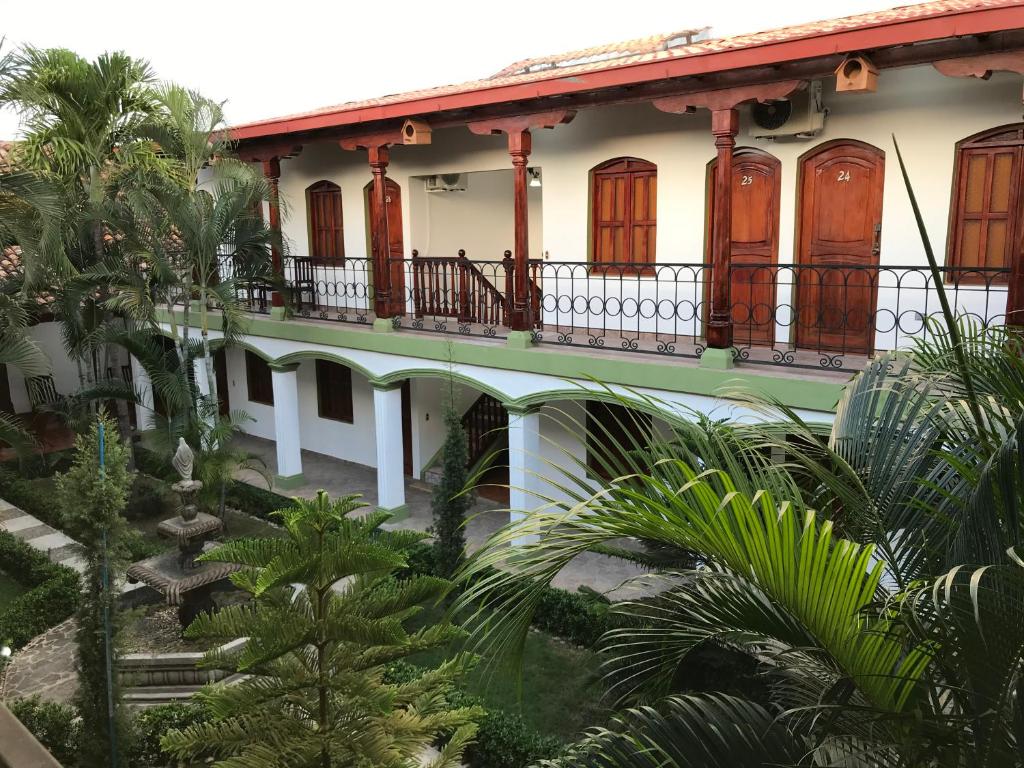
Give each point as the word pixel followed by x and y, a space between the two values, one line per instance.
pixel 274 58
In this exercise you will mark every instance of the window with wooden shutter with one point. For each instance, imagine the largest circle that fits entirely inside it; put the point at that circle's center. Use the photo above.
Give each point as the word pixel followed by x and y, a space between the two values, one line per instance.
pixel 326 232
pixel 334 391
pixel 624 195
pixel 258 379
pixel 985 222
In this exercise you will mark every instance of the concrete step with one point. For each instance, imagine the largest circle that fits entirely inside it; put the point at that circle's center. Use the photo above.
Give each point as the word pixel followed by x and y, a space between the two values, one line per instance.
pixel 151 696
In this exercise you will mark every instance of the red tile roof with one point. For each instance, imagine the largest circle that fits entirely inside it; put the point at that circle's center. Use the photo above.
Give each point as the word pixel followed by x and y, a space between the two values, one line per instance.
pixel 569 72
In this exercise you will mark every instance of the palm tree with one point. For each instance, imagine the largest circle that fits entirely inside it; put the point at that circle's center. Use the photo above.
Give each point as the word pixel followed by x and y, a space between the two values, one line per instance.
pixel 327 616
pixel 870 568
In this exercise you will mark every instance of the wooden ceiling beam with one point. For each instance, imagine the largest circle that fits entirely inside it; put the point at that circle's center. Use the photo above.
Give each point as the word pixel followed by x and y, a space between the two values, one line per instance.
pixel 728 98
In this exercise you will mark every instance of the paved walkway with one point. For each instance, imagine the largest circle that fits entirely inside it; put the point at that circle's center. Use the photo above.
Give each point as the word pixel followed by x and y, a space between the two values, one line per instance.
pixel 337 477
pixel 59 547
pixel 46 666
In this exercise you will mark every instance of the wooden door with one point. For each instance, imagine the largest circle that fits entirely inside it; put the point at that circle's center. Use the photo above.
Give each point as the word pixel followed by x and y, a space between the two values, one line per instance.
pixel 407 427
pixel 624 202
pixel 396 246
pixel 220 370
pixel 756 187
pixel 5 392
pixel 840 230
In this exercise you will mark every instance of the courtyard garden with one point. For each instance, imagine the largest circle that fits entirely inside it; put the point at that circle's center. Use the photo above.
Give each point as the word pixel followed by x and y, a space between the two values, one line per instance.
pixel 814 594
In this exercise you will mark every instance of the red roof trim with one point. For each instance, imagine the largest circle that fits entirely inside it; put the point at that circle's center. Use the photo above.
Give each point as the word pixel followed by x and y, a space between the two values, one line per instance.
pixel 951 23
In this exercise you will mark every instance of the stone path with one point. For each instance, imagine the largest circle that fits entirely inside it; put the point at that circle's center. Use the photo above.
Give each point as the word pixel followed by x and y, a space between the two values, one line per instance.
pixel 46 666
pixel 59 547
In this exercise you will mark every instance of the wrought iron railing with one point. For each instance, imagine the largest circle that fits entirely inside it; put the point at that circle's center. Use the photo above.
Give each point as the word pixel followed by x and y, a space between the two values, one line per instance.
pixel 823 316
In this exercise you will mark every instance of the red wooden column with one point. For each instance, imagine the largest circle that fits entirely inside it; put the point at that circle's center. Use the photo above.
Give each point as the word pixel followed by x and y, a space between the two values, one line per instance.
pixel 520 144
pixel 382 305
pixel 724 126
pixel 272 170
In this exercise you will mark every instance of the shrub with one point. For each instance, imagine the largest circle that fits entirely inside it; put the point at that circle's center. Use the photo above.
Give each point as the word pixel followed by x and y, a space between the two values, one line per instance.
pixel 148 498
pixel 155 464
pixel 56 726
pixel 152 723
pixel 256 501
pixel 577 617
pixel 503 740
pixel 52 597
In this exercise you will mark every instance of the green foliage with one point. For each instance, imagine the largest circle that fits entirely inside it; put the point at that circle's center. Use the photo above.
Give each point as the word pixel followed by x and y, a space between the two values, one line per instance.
pixel 450 501
pixel 149 726
pixel 503 740
pixel 315 656
pixel 56 726
pixel 52 597
pixel 580 618
pixel 256 501
pixel 92 501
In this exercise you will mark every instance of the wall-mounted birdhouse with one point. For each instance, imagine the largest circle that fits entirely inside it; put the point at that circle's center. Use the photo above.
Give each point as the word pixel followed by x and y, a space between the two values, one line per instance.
pixel 856 75
pixel 415 132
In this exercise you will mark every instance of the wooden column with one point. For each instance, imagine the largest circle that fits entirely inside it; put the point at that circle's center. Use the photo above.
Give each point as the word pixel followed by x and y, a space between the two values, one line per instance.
pixel 724 126
pixel 380 244
pixel 272 170
pixel 519 145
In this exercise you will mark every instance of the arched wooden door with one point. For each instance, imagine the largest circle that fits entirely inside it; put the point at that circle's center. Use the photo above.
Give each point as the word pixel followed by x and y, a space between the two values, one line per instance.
pixel 756 186
pixel 396 247
pixel 838 243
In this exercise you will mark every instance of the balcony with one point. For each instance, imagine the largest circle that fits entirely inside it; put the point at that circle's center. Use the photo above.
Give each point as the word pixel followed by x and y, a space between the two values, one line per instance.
pixel 833 317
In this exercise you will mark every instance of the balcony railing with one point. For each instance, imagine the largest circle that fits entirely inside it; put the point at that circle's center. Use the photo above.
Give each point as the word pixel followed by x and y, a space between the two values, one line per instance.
pixel 833 317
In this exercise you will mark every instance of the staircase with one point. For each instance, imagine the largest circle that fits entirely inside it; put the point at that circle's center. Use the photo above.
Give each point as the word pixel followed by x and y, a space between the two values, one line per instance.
pixel 485 423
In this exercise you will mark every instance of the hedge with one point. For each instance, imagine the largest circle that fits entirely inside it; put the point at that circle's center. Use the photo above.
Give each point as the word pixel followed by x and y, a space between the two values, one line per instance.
pixel 581 618
pixel 52 596
pixel 503 739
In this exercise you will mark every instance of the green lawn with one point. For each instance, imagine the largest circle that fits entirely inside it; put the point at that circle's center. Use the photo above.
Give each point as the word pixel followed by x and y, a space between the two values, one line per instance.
pixel 9 589
pixel 558 692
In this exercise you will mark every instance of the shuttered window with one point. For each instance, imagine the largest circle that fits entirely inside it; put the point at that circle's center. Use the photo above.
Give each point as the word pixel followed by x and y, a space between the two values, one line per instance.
pixel 334 391
pixel 326 232
pixel 985 226
pixel 624 197
pixel 258 379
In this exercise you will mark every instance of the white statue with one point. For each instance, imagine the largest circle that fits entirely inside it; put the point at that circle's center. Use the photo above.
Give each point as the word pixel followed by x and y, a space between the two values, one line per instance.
pixel 183 460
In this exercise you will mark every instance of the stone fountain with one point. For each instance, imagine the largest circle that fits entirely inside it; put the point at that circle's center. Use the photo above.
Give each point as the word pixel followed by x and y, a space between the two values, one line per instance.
pixel 176 574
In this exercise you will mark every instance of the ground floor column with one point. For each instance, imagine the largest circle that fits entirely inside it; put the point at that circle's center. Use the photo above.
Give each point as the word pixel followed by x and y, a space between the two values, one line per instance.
pixel 144 392
pixel 525 467
pixel 387 418
pixel 286 425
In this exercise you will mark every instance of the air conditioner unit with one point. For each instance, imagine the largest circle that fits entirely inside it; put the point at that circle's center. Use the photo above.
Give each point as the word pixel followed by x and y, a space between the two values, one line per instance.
pixel 801 116
pixel 447 182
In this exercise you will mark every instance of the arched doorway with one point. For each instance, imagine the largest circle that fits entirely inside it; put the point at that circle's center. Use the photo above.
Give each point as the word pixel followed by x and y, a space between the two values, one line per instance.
pixel 756 188
pixel 838 243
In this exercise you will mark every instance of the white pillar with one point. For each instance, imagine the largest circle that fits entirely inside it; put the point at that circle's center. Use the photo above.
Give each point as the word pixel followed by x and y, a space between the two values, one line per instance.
pixel 387 418
pixel 286 426
pixel 525 466
pixel 144 390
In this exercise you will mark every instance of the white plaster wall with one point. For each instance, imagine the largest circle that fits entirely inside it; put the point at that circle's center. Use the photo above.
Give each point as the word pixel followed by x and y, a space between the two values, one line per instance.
pixel 427 411
pixel 354 442
pixel 479 220
pixel 929 112
pixel 64 369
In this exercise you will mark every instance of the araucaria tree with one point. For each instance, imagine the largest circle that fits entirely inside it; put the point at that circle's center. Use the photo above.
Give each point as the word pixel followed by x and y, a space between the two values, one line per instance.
pixel 328 614
pixel 91 496
pixel 450 502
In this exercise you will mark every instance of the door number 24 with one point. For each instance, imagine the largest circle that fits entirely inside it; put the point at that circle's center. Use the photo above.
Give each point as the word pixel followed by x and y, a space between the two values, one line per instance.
pixel 843 176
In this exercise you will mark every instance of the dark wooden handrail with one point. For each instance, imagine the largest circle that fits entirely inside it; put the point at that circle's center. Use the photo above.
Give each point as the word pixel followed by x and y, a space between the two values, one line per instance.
pixel 455 287
pixel 485 420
